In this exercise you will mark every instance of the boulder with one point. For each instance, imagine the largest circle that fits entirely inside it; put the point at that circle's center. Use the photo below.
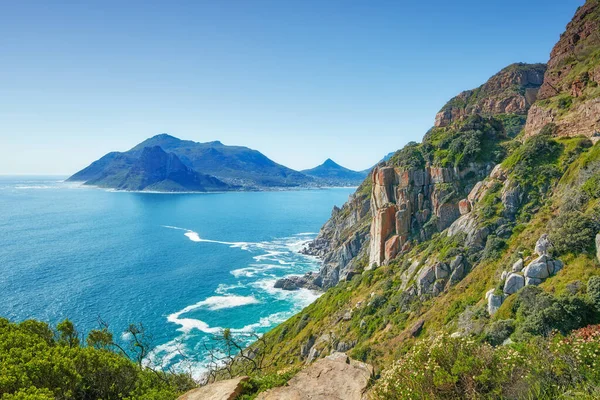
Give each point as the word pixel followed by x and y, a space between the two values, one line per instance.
pixel 335 377
pixel 416 329
pixel 220 390
pixel 537 269
pixel 498 173
pixel 456 262
pixel 426 279
pixel 503 275
pixel 438 287
pixel 513 283
pixel 554 266
pixel 494 302
pixel 442 270
pixel 285 284
pixel 532 281
pixel 543 245
pixel 464 206
pixel 457 274
pixel 517 266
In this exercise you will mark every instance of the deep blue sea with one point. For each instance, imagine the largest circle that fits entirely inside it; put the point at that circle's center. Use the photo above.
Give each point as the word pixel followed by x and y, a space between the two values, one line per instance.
pixel 184 265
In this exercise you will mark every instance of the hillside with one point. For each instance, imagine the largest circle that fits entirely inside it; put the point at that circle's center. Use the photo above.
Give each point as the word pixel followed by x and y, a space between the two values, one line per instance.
pixel 485 233
pixel 332 174
pixel 152 170
pixel 215 166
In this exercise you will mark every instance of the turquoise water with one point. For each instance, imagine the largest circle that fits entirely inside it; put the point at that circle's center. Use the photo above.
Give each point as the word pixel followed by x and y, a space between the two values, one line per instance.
pixel 184 265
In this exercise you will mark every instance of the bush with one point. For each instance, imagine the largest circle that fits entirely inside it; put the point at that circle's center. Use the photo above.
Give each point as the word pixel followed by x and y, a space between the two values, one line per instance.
pixel 37 362
pixel 593 291
pixel 499 331
pixel 460 368
pixel 573 232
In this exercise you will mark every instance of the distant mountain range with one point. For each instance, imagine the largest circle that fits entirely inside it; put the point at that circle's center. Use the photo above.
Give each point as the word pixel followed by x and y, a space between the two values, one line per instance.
pixel 332 174
pixel 166 163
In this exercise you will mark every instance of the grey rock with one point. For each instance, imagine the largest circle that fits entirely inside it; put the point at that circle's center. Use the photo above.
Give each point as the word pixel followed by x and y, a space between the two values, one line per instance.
pixel 306 346
pixel 537 269
pixel 513 283
pixel 554 266
pixel 455 263
pixel 517 266
pixel 543 245
pixel 458 274
pixel 494 302
pixel 438 287
pixel 426 279
pixel 347 316
pixel 285 284
pixel 442 271
pixel 504 275
pixel 532 281
pixel 511 198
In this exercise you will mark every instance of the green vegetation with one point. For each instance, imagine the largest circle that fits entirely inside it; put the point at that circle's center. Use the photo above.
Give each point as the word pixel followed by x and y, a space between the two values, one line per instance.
pixel 41 363
pixel 560 367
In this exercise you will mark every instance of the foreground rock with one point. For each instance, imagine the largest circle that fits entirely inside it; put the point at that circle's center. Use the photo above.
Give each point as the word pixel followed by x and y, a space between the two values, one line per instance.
pixel 222 390
pixel 335 377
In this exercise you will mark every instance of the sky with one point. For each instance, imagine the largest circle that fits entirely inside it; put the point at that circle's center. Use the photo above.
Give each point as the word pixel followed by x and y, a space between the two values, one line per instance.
pixel 299 80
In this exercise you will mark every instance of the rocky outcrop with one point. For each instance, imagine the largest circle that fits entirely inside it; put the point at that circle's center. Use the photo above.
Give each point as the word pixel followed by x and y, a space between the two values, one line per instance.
pixel 405 202
pixel 536 272
pixel 335 377
pixel 511 91
pixel 580 35
pixel 574 74
pixel 582 119
pixel 222 390
pixel 341 241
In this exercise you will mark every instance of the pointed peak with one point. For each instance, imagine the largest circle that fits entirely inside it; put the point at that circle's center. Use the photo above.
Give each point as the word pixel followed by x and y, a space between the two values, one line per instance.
pixel 330 163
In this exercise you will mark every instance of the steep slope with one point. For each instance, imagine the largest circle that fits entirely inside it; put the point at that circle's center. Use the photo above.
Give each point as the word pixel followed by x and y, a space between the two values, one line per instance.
pixel 153 170
pixel 473 233
pixel 570 95
pixel 421 189
pixel 333 174
pixel 235 165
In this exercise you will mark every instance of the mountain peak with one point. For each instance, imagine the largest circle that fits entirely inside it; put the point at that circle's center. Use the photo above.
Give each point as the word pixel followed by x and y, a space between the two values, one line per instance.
pixel 330 163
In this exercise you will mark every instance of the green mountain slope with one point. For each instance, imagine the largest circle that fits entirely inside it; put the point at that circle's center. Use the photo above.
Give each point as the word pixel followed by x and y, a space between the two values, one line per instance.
pixel 484 233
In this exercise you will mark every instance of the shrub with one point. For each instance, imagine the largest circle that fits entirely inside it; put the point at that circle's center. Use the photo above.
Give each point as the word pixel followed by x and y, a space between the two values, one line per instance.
pixel 460 368
pixel 593 290
pixel 573 232
pixel 499 331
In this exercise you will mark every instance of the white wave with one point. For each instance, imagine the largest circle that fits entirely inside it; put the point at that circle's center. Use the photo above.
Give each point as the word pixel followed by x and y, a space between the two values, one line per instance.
pixel 301 297
pixel 195 237
pixel 224 289
pixel 212 303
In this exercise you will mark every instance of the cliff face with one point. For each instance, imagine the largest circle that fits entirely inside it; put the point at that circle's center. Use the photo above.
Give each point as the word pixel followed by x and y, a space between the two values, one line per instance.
pixel 405 202
pixel 510 91
pixel 341 241
pixel 569 96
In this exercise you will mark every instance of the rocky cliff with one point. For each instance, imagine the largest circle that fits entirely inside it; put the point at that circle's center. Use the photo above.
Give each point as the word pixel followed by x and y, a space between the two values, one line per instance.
pixel 458 234
pixel 510 91
pixel 569 96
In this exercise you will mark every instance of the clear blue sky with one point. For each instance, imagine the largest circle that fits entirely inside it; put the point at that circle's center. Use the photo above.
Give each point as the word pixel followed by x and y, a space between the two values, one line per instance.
pixel 299 80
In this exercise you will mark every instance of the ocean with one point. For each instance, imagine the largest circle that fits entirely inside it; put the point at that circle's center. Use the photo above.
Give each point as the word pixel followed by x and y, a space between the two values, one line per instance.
pixel 186 266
